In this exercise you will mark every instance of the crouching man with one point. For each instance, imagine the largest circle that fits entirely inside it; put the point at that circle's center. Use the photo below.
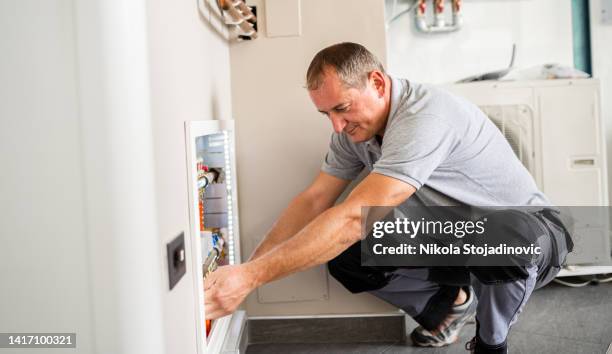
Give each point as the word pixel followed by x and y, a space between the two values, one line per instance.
pixel 420 145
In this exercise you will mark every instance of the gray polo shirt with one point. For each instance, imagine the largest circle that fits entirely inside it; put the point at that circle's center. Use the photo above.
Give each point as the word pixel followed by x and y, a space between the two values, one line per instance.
pixel 444 146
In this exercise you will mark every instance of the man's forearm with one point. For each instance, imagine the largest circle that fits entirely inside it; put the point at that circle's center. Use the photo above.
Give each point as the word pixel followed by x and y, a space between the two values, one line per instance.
pixel 298 214
pixel 330 233
pixel 324 238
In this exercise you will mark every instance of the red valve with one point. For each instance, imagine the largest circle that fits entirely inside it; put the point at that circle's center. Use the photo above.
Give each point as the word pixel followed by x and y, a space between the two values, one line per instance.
pixel 456 5
pixel 422 7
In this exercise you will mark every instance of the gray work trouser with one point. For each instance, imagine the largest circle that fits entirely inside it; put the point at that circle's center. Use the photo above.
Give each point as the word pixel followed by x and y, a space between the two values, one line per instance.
pixel 499 305
pixel 422 294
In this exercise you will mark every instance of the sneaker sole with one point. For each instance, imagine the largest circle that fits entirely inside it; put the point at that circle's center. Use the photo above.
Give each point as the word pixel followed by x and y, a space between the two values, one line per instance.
pixel 470 320
pixel 433 344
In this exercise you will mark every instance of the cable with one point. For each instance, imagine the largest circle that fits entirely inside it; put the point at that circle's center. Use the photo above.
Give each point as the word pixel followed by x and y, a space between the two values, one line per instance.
pixel 593 279
pixel 394 16
pixel 605 280
pixel 513 56
pixel 572 285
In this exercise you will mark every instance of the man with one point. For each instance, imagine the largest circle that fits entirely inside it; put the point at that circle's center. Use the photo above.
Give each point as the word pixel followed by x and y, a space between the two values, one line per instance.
pixel 420 145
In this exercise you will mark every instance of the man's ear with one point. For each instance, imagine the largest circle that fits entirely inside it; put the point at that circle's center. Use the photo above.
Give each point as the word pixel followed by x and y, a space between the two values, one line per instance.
pixel 377 78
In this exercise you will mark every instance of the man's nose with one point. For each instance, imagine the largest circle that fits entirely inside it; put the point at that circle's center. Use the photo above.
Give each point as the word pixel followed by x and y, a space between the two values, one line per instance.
pixel 338 123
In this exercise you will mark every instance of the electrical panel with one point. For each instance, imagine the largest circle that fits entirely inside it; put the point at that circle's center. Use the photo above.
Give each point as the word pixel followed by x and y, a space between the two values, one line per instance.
pixel 214 228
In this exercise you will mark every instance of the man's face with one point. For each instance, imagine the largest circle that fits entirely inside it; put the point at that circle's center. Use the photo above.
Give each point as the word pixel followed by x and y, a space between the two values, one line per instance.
pixel 360 113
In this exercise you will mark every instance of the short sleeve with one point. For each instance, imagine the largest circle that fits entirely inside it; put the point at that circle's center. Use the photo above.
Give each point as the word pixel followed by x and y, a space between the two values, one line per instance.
pixel 414 147
pixel 341 161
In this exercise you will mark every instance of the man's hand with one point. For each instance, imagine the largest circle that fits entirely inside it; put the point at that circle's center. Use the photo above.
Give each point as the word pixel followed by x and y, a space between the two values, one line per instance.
pixel 226 288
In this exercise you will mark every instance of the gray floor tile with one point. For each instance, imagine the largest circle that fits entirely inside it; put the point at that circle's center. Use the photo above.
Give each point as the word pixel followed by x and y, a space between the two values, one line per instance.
pixel 583 314
pixel 457 348
pixel 523 343
pixel 519 343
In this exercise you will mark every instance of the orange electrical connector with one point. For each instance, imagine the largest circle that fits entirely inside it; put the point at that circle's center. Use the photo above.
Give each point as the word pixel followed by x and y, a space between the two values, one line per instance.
pixel 208 327
pixel 201 207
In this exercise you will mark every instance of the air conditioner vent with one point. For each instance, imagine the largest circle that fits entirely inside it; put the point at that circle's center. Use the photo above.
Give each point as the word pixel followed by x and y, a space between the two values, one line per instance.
pixel 516 124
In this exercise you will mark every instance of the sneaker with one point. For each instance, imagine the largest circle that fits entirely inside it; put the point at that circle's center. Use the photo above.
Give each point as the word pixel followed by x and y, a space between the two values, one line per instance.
pixel 448 331
pixel 476 346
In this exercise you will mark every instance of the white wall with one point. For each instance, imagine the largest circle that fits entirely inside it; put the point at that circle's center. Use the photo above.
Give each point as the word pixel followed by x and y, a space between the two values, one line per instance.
pixel 93 180
pixel 117 156
pixel 282 139
pixel 541 30
pixel 190 80
pixel 43 251
pixel 601 51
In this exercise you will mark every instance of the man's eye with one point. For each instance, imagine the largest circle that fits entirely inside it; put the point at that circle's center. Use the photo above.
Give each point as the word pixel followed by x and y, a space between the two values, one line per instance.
pixel 342 109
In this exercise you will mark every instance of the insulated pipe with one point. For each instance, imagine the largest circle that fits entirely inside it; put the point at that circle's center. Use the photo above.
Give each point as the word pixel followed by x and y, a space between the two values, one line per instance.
pixel 421 22
pixel 246 11
pixel 239 18
pixel 240 21
pixel 456 6
pixel 439 13
pixel 457 18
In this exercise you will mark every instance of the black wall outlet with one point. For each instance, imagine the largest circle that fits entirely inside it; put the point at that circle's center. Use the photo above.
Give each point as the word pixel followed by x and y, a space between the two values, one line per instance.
pixel 176 259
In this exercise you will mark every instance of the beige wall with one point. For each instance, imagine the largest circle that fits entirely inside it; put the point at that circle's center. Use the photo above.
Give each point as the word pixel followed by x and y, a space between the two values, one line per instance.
pixel 93 156
pixel 281 140
pixel 190 80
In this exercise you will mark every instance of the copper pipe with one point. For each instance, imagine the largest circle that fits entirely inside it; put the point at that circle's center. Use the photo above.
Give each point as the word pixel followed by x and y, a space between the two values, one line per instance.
pixel 224 4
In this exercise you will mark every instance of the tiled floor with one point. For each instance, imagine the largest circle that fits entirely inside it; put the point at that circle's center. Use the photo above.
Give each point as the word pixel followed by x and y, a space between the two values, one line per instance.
pixel 557 320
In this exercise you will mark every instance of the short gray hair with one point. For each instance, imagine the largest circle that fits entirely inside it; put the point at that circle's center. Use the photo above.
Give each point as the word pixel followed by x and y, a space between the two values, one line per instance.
pixel 351 61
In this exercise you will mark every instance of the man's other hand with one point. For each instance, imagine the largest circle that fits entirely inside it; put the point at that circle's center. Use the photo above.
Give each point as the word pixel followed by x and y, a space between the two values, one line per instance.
pixel 226 288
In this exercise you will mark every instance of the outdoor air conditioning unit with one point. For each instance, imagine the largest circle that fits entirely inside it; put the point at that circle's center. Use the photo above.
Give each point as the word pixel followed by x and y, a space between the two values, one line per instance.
pixel 555 129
